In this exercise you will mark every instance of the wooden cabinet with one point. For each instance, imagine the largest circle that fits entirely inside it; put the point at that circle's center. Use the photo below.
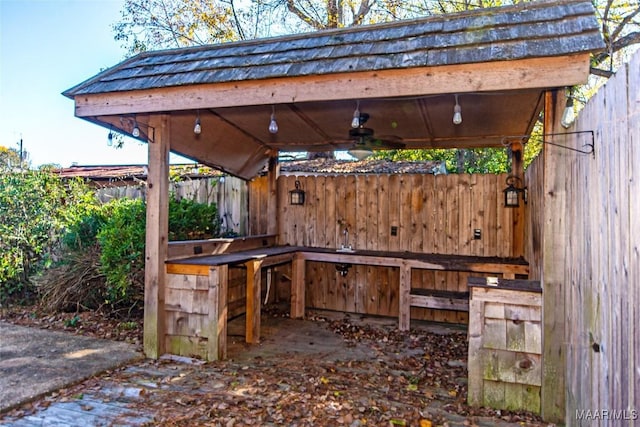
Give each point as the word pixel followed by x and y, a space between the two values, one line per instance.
pixel 505 344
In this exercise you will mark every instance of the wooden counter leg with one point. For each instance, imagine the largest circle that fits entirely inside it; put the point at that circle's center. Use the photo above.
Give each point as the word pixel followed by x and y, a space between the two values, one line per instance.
pixel 217 333
pixel 253 300
pixel 405 291
pixel 297 287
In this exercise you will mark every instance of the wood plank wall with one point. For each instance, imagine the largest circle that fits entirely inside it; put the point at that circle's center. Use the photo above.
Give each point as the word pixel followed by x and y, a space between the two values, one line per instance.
pixel 601 289
pixel 431 213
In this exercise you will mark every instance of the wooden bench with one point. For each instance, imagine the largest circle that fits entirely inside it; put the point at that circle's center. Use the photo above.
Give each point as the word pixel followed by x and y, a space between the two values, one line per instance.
pixel 439 300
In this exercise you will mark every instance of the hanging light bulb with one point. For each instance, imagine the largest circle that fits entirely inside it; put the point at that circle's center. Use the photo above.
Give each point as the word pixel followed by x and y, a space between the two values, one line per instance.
pixel 568 115
pixel 197 128
pixel 457 113
pixel 273 125
pixel 136 130
pixel 355 123
pixel 110 138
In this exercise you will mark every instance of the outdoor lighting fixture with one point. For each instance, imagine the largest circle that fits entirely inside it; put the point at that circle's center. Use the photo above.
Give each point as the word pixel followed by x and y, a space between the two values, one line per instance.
pixel 512 192
pixel 360 153
pixel 273 125
pixel 136 130
pixel 568 115
pixel 343 269
pixel 355 123
pixel 296 197
pixel 197 129
pixel 110 138
pixel 457 113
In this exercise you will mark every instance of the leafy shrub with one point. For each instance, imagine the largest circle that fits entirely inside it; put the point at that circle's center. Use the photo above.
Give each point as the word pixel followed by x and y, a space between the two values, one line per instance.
pixel 190 220
pixel 122 242
pixel 36 207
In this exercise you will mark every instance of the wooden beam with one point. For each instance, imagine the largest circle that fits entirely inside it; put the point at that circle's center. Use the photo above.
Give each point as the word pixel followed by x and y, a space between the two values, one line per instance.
pixel 190 269
pixel 157 237
pixel 297 287
pixel 189 248
pixel 480 77
pixel 405 297
pixel 553 265
pixel 217 320
pixel 252 331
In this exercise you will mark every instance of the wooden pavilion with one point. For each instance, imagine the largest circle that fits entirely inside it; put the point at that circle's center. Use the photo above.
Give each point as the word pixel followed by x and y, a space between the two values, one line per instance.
pixel 500 68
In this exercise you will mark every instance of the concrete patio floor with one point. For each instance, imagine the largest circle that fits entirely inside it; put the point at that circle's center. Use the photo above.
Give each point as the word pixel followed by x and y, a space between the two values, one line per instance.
pixel 34 362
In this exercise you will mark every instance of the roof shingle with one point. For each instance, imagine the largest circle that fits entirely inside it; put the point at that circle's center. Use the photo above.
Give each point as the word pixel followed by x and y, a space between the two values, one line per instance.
pixel 526 30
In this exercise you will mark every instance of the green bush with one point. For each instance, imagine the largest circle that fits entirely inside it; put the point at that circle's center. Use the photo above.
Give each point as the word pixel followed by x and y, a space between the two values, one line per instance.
pixel 122 241
pixel 36 208
pixel 190 220
pixel 47 222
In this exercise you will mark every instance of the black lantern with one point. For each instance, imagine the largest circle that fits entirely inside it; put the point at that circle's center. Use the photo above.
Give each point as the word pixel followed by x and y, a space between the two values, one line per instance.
pixel 296 197
pixel 512 192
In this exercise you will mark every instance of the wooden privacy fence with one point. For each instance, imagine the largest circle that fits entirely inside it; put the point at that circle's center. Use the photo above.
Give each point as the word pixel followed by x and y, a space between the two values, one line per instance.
pixel 599 255
pixel 583 243
pixel 393 212
pixel 230 194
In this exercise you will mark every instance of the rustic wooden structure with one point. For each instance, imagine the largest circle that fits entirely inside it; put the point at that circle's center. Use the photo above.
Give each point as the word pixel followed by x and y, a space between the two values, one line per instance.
pixel 503 65
pixel 505 344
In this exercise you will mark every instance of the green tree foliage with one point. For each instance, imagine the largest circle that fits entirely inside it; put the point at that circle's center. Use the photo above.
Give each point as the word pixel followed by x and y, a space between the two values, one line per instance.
pixel 10 159
pixel 36 208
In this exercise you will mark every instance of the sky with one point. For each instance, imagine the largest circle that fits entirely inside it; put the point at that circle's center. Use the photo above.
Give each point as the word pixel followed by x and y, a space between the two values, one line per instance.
pixel 47 47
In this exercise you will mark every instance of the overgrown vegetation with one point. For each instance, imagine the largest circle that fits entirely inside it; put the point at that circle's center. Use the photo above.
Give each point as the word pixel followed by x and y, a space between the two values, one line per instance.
pixel 60 245
pixel 36 208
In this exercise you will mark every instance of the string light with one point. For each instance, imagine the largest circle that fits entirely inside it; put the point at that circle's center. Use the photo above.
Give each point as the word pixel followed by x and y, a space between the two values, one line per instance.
pixel 136 130
pixel 355 123
pixel 273 125
pixel 457 113
pixel 197 129
pixel 568 115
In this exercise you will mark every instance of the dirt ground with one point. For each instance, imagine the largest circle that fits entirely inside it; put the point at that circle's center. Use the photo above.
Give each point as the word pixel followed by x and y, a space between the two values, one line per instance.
pixel 329 369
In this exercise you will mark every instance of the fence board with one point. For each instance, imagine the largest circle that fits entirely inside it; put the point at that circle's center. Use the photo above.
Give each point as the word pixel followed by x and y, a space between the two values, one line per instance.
pixel 597 294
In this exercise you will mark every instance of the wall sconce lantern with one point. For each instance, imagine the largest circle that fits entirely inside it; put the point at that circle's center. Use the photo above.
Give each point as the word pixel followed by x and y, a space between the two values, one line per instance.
pixel 296 197
pixel 512 192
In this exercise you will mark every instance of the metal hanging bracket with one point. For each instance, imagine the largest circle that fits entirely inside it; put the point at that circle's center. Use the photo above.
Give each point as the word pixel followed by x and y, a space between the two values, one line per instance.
pixel 507 140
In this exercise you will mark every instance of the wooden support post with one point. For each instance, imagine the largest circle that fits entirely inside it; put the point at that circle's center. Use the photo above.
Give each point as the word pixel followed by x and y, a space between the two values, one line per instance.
pixel 297 287
pixel 553 267
pixel 405 297
pixel 253 301
pixel 272 202
pixel 517 170
pixel 475 379
pixel 157 231
pixel 217 321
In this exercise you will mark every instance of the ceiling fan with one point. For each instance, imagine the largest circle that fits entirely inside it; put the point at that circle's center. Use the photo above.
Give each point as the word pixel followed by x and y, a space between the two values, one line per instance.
pixel 365 142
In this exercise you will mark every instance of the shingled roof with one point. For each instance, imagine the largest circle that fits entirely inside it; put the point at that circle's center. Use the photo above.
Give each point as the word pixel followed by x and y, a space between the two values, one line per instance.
pixel 526 30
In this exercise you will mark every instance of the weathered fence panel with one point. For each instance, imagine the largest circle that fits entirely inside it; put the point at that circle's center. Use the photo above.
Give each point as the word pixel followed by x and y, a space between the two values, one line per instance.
pixel 392 212
pixel 601 246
